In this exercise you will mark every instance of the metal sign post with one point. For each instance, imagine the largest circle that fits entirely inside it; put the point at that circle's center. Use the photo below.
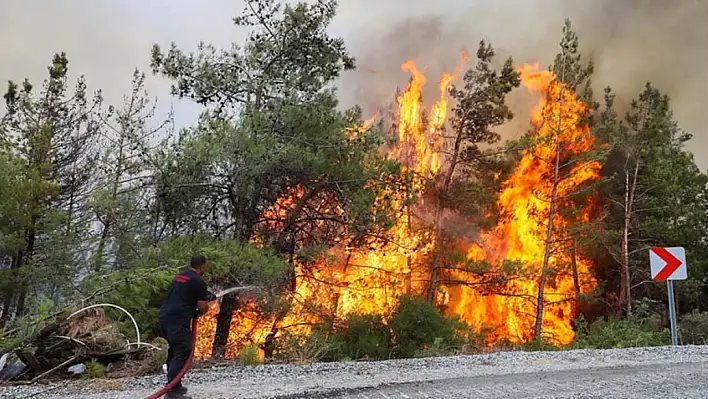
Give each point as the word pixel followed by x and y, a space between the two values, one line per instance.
pixel 672 312
pixel 669 264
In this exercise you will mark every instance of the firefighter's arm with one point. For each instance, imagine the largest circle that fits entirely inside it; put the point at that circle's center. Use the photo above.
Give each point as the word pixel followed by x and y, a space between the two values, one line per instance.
pixel 203 307
pixel 203 300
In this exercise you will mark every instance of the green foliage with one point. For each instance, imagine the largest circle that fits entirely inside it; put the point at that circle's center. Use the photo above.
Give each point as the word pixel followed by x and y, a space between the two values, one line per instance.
pixel 438 348
pixel 288 54
pixel 693 328
pixel 299 348
pixel 414 329
pixel 365 337
pixel 50 137
pixel 95 203
pixel 571 68
pixel 417 325
pixel 122 205
pixel 250 356
pixel 94 369
pixel 273 130
pixel 142 289
pixel 657 196
pixel 480 108
pixel 287 135
pixel 621 333
pixel 13 188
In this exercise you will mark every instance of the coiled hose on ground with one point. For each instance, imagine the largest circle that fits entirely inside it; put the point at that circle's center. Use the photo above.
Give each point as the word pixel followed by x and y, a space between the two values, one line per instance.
pixel 186 366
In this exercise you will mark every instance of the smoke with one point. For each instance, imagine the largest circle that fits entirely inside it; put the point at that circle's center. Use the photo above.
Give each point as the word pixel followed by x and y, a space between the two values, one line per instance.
pixel 105 41
pixel 630 41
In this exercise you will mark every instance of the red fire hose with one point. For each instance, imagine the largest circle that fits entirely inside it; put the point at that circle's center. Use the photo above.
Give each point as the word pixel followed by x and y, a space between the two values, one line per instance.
pixel 186 366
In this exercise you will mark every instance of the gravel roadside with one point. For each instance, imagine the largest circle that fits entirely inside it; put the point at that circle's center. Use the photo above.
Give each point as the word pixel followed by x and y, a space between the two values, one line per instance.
pixel 274 381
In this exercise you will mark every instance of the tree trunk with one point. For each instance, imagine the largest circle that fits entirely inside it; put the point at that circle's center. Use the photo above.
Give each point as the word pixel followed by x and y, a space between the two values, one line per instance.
pixel 627 298
pixel 98 262
pixel 409 231
pixel 21 299
pixel 574 265
pixel 9 295
pixel 269 344
pixel 434 276
pixel 107 225
pixel 228 305
pixel 23 259
pixel 29 251
pixel 540 297
pixel 338 294
pixel 436 258
pixel 70 209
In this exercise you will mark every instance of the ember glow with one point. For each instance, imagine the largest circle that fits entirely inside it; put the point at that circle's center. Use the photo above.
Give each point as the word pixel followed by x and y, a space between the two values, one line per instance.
pixel 369 281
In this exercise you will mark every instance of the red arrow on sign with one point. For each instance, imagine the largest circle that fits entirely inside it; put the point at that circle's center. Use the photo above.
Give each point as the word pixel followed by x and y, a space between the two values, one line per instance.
pixel 672 263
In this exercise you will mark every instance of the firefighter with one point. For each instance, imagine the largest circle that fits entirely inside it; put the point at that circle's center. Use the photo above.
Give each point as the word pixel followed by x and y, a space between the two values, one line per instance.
pixel 186 298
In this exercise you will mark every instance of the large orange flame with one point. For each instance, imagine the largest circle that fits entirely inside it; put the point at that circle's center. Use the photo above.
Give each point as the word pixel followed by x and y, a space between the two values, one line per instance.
pixel 369 281
pixel 520 235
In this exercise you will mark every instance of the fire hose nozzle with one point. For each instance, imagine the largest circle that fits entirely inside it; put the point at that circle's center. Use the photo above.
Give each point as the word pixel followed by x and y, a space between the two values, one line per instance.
pixel 211 297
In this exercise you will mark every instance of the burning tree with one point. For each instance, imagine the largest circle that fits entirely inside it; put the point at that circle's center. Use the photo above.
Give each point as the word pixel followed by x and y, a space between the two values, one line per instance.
pixel 568 146
pixel 274 142
pixel 335 226
pixel 539 205
pixel 290 173
pixel 480 108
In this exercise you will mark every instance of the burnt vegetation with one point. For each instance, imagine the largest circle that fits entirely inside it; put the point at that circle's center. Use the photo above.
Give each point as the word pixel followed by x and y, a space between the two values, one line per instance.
pixel 353 239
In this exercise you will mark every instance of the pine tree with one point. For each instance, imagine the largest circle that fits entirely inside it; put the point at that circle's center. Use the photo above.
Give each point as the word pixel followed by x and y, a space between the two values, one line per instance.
pixel 54 134
pixel 274 131
pixel 656 188
pixel 564 119
pixel 481 107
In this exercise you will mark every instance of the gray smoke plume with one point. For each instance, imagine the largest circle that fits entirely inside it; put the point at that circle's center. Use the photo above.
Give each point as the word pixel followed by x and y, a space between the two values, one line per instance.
pixel 630 41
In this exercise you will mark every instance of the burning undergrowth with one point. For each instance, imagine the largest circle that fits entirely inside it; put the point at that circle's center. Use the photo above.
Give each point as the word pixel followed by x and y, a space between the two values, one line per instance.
pixel 496 288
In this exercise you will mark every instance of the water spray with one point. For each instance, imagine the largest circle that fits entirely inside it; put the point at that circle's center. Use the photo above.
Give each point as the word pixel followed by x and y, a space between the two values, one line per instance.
pixel 227 291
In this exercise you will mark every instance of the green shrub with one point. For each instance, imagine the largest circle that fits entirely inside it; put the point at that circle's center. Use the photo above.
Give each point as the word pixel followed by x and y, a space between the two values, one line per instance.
pixel 417 326
pixel 333 343
pixel 305 348
pixel 94 369
pixel 693 328
pixel 621 333
pixel 365 337
pixel 438 348
pixel 250 356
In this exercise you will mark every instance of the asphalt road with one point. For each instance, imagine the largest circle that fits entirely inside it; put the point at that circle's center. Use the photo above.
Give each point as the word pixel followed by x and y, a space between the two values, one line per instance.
pixel 688 380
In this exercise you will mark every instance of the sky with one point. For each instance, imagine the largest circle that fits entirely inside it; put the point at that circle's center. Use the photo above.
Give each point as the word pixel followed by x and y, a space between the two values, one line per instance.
pixel 631 42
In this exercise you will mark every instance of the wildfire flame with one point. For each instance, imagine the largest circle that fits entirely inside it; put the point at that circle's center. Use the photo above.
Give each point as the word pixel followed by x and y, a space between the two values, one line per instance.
pixel 369 281
pixel 520 235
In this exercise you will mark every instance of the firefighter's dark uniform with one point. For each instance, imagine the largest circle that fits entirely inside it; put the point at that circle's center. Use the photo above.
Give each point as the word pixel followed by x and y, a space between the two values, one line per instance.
pixel 175 319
